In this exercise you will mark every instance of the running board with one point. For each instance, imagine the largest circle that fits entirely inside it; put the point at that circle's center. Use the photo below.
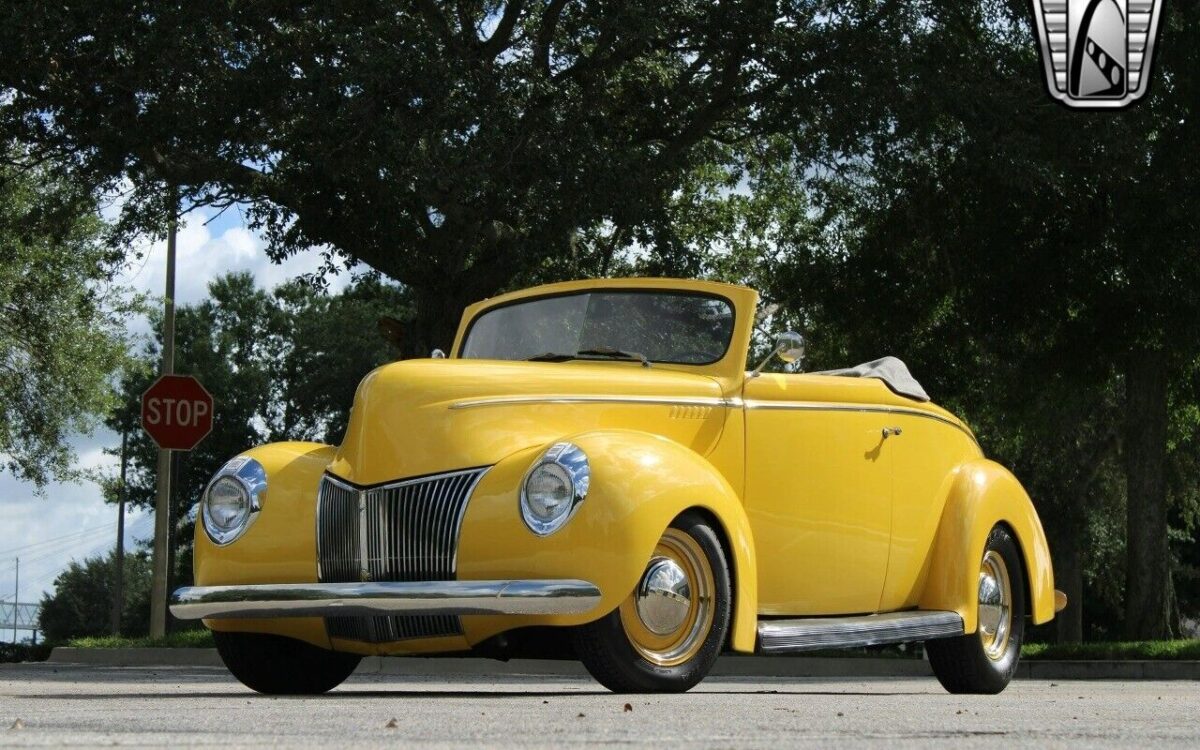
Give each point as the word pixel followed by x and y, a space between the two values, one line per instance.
pixel 811 633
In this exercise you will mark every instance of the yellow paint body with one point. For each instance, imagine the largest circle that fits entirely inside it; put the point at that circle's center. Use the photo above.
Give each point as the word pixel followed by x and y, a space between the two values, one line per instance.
pixel 820 513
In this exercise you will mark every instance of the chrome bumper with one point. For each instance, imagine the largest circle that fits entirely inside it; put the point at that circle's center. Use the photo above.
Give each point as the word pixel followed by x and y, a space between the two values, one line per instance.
pixel 535 597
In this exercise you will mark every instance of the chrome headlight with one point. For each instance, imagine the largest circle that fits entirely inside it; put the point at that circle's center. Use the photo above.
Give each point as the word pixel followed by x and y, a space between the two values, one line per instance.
pixel 233 499
pixel 554 487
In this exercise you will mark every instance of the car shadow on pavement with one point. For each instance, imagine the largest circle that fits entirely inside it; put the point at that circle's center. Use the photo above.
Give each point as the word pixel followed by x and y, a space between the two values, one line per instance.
pixel 421 694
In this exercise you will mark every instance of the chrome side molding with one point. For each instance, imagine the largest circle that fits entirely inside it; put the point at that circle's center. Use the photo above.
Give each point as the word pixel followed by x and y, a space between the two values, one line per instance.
pixel 811 633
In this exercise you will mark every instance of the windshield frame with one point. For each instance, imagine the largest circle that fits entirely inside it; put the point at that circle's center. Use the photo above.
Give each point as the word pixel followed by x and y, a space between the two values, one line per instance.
pixel 661 291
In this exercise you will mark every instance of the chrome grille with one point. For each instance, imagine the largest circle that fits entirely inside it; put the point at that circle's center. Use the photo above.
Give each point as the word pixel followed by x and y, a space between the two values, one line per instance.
pixel 406 531
pixel 392 628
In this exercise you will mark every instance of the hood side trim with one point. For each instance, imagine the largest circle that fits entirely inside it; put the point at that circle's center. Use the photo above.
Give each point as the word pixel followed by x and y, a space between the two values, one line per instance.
pixel 643 400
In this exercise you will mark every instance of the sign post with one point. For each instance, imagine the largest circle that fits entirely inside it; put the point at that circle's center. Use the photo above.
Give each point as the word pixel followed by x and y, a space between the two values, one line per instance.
pixel 158 583
pixel 177 413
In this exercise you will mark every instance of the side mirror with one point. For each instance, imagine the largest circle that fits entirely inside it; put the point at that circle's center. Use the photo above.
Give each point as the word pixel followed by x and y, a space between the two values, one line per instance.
pixel 789 347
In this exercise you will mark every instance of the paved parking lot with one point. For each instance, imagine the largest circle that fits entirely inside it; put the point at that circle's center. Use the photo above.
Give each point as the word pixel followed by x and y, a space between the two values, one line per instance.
pixel 55 704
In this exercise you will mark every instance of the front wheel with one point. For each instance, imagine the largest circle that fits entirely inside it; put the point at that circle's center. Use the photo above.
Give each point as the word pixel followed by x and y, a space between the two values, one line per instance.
pixel 276 665
pixel 984 661
pixel 666 635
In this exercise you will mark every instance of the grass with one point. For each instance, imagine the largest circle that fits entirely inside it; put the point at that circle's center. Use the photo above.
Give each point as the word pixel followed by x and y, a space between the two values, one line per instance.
pixel 182 639
pixel 1118 651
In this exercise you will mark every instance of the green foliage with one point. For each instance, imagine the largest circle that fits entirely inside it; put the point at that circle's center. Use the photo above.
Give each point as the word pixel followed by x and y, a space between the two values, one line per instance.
pixel 455 146
pixel 1114 651
pixel 182 639
pixel 81 604
pixel 62 322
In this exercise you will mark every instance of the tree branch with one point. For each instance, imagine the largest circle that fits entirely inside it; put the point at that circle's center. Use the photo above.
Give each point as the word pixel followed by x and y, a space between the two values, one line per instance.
pixel 466 25
pixel 501 38
pixel 708 115
pixel 545 35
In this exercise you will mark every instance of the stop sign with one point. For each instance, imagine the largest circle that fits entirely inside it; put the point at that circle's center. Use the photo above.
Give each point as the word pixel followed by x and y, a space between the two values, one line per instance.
pixel 177 412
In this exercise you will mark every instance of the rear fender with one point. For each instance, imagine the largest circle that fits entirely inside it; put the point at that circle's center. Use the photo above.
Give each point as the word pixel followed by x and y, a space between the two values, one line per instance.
pixel 983 495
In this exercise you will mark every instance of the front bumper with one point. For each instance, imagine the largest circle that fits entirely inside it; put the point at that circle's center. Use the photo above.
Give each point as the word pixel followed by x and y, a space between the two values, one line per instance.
pixel 525 597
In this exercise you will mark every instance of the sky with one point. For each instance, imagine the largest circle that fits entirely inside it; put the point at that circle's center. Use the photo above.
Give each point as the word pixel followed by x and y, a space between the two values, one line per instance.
pixel 72 522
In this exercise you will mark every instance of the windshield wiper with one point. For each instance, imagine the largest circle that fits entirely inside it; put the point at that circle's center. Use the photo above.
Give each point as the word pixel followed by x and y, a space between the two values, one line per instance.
pixel 604 352
pixel 550 357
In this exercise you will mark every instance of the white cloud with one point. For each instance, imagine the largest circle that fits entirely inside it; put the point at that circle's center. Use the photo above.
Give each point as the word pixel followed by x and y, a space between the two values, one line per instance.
pixel 209 246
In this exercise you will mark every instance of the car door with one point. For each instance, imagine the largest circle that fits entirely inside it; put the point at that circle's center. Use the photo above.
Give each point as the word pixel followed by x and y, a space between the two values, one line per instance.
pixel 818 494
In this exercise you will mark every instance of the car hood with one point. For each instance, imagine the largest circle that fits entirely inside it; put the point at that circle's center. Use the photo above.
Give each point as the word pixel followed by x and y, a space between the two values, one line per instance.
pixel 420 417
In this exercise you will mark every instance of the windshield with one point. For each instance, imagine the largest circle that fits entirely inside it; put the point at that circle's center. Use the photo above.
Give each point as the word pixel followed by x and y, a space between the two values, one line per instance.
pixel 669 327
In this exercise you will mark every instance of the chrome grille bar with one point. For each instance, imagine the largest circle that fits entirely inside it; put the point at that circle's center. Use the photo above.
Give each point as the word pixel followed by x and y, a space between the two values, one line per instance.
pixel 404 531
pixel 337 533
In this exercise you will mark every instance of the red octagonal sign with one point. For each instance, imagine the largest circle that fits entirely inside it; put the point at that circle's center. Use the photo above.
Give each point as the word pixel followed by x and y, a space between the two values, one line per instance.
pixel 177 412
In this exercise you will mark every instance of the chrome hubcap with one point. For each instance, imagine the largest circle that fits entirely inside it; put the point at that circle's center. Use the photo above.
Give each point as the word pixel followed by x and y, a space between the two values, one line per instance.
pixel 663 597
pixel 995 605
pixel 670 612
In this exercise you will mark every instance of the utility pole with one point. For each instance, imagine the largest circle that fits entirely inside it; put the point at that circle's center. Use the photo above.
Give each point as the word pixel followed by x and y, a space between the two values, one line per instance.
pixel 118 588
pixel 162 501
pixel 16 598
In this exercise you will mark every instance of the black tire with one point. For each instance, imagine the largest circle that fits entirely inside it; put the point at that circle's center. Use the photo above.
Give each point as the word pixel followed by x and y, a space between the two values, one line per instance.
pixel 605 648
pixel 275 665
pixel 963 664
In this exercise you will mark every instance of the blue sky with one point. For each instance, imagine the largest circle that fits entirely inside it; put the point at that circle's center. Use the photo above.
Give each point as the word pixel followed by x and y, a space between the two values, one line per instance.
pixel 71 521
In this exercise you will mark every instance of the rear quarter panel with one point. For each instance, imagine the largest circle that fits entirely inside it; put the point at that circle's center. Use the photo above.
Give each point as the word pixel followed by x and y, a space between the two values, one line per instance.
pixel 925 459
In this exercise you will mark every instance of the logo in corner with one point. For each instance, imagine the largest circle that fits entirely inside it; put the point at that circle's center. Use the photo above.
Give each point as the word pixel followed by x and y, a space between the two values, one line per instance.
pixel 1096 53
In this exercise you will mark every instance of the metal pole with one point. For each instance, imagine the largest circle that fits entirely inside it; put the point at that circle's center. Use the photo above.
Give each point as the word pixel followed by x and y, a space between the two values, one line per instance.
pixel 176 472
pixel 16 598
pixel 118 588
pixel 162 501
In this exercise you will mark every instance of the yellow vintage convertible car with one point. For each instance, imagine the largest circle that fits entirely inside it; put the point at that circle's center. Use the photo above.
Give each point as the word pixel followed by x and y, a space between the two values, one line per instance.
pixel 594 474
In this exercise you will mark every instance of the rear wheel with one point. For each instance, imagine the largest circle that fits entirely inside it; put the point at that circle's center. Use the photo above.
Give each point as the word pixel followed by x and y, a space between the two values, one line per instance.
pixel 666 635
pixel 276 665
pixel 985 661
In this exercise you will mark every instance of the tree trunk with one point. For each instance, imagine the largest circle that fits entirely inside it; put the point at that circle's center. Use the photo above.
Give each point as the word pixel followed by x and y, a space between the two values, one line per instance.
pixel 1068 578
pixel 439 310
pixel 1149 592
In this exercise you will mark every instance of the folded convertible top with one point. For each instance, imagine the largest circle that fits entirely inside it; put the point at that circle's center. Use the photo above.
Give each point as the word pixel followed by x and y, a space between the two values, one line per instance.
pixel 893 372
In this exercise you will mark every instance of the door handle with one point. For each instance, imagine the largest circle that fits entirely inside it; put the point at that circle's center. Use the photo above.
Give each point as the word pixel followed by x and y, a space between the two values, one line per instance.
pixel 889 431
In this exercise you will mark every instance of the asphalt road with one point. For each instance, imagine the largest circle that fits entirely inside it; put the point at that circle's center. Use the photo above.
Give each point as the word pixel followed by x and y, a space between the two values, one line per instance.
pixel 55 704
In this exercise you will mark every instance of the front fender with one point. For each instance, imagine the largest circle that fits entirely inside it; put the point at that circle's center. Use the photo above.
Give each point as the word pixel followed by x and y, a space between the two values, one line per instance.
pixel 639 484
pixel 984 494
pixel 278 547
